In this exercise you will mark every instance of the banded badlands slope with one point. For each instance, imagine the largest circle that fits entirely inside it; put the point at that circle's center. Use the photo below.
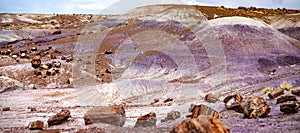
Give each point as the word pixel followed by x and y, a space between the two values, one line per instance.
pixel 151 52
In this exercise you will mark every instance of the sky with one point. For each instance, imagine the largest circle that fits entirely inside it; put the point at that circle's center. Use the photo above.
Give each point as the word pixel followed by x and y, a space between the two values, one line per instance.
pixel 122 6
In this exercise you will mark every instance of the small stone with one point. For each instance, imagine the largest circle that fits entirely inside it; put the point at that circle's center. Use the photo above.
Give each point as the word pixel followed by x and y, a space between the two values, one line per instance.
pixel 59 118
pixel 6 109
pixel 44 66
pixel 31 87
pixel 36 125
pixel 52 56
pixel 36 62
pixel 168 100
pixel 203 110
pixel 57 64
pixel 211 98
pixel 286 98
pixel 33 49
pixel 155 101
pixel 275 93
pixel 233 102
pixel 70 81
pixel 114 115
pixel 32 109
pixel 173 115
pixel 201 124
pixel 69 59
pixel 296 91
pixel 256 107
pixel 148 120
pixel 37 72
pixel 63 58
pixel 290 107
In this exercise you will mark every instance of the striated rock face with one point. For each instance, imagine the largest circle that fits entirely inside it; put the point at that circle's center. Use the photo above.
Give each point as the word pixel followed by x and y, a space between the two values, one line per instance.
pixel 36 125
pixel 233 102
pixel 148 120
pixel 59 118
pixel 256 107
pixel 114 115
pixel 201 124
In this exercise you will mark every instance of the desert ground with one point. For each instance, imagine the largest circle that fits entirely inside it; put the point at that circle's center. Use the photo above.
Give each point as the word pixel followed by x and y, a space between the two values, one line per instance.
pixel 156 58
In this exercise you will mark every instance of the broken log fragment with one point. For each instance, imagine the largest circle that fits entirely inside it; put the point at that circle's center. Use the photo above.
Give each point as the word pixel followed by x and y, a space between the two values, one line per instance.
pixel 113 115
pixel 201 124
pixel 148 120
pixel 256 107
pixel 296 91
pixel 289 107
pixel 59 118
pixel 233 102
pixel 36 125
pixel 283 99
pixel 275 93
pixel 211 98
pixel 203 110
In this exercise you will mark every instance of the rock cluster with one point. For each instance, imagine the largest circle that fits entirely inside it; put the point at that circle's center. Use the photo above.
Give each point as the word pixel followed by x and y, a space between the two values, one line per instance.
pixel 253 107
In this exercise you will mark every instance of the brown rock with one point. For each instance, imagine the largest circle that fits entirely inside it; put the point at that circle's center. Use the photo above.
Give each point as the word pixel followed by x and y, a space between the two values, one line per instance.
pixel 59 118
pixel 285 99
pixel 154 101
pixel 275 93
pixel 296 91
pixel 36 125
pixel 69 59
pixel 173 115
pixel 63 58
pixel 203 110
pixel 6 109
pixel 201 124
pixel 36 62
pixel 52 56
pixel 148 120
pixel 290 107
pixel 256 107
pixel 233 102
pixel 168 100
pixel 211 98
pixel 114 115
pixel 32 109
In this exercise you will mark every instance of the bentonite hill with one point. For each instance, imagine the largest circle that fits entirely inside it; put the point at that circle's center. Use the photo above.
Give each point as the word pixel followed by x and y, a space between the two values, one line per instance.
pixel 157 68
